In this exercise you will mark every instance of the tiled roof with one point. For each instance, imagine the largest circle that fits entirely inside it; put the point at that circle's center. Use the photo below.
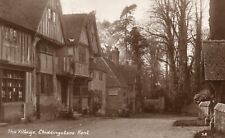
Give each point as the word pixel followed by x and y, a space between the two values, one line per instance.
pixel 213 53
pixel 72 25
pixel 114 77
pixel 119 75
pixel 129 73
pixel 24 13
pixel 98 65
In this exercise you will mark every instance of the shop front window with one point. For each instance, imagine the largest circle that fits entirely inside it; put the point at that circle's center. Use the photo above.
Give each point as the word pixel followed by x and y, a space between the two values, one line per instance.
pixel 13 86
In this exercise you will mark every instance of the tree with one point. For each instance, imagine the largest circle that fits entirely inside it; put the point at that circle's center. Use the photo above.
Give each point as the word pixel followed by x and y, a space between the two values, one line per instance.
pixel 163 26
pixel 115 34
pixel 198 47
pixel 126 19
pixel 171 22
pixel 138 44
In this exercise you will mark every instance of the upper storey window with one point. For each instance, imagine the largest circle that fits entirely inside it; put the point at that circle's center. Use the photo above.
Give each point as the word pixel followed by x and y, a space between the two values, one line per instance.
pixel 10 35
pixel 51 15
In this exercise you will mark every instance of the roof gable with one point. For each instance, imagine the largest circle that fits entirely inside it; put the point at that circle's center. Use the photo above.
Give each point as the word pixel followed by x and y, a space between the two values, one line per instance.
pixel 84 36
pixel 72 25
pixel 98 64
pixel 214 60
pixel 50 24
pixel 114 76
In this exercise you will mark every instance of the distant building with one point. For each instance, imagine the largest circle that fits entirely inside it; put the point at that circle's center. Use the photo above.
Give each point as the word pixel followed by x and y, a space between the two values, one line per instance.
pixel 120 85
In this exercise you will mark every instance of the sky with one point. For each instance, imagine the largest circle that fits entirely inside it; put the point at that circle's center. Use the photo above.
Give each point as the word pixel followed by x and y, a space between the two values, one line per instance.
pixel 106 9
pixel 111 9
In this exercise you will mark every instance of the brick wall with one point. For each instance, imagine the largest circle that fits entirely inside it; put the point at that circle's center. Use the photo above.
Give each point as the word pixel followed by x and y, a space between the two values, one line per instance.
pixel 219 118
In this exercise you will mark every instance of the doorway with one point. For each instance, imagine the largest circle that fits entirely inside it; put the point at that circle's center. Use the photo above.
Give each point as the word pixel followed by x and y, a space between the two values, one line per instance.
pixel 64 92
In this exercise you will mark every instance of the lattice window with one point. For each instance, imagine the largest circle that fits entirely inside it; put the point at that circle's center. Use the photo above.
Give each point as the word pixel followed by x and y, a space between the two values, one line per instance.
pixel 13 86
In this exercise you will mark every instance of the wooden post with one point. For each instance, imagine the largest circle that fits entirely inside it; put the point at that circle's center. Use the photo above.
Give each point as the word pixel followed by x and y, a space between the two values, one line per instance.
pixel 1 105
pixel 70 95
pixel 38 97
pixel 80 99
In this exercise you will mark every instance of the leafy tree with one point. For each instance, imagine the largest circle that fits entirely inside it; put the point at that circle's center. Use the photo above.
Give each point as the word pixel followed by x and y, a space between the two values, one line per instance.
pixel 126 19
pixel 138 43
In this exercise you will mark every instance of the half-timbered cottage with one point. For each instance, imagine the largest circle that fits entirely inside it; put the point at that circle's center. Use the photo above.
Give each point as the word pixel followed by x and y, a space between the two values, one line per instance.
pixel 82 46
pixel 30 34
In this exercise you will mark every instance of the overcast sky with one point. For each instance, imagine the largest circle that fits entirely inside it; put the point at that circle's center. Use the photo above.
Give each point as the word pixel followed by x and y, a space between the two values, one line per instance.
pixel 111 9
pixel 106 9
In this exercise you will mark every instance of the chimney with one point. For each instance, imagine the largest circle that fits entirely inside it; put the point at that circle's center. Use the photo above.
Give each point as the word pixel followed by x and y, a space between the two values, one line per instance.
pixel 115 55
pixel 217 19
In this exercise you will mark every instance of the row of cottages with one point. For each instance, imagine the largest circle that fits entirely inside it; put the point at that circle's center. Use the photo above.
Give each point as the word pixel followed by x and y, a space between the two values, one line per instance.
pixel 44 59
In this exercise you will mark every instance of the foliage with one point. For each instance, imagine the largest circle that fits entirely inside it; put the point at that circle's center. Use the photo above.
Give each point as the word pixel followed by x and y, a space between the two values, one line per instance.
pixel 115 34
pixel 173 27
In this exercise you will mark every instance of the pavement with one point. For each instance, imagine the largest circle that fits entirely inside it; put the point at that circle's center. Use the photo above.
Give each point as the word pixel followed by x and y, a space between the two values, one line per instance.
pixel 147 126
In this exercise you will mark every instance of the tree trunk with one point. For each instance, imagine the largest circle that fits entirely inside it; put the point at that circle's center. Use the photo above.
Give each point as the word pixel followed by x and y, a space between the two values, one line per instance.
pixel 182 49
pixel 198 49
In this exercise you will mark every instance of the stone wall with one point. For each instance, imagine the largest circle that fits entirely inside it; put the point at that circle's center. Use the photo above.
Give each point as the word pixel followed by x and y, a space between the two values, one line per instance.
pixel 219 118
pixel 157 104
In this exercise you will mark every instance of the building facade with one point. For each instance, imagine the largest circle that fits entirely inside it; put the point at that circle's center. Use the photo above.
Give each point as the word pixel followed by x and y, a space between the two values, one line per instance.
pixel 44 59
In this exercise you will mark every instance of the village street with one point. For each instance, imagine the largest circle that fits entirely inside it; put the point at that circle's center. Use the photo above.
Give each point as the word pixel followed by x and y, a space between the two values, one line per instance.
pixel 151 126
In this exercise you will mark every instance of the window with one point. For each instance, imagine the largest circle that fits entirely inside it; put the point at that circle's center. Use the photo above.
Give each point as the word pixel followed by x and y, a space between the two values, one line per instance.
pixel 82 54
pixel 53 17
pixel 100 76
pixel 6 33
pixel 13 86
pixel 49 14
pixel 45 60
pixel 70 51
pixel 10 35
pixel 15 36
pixel 46 84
